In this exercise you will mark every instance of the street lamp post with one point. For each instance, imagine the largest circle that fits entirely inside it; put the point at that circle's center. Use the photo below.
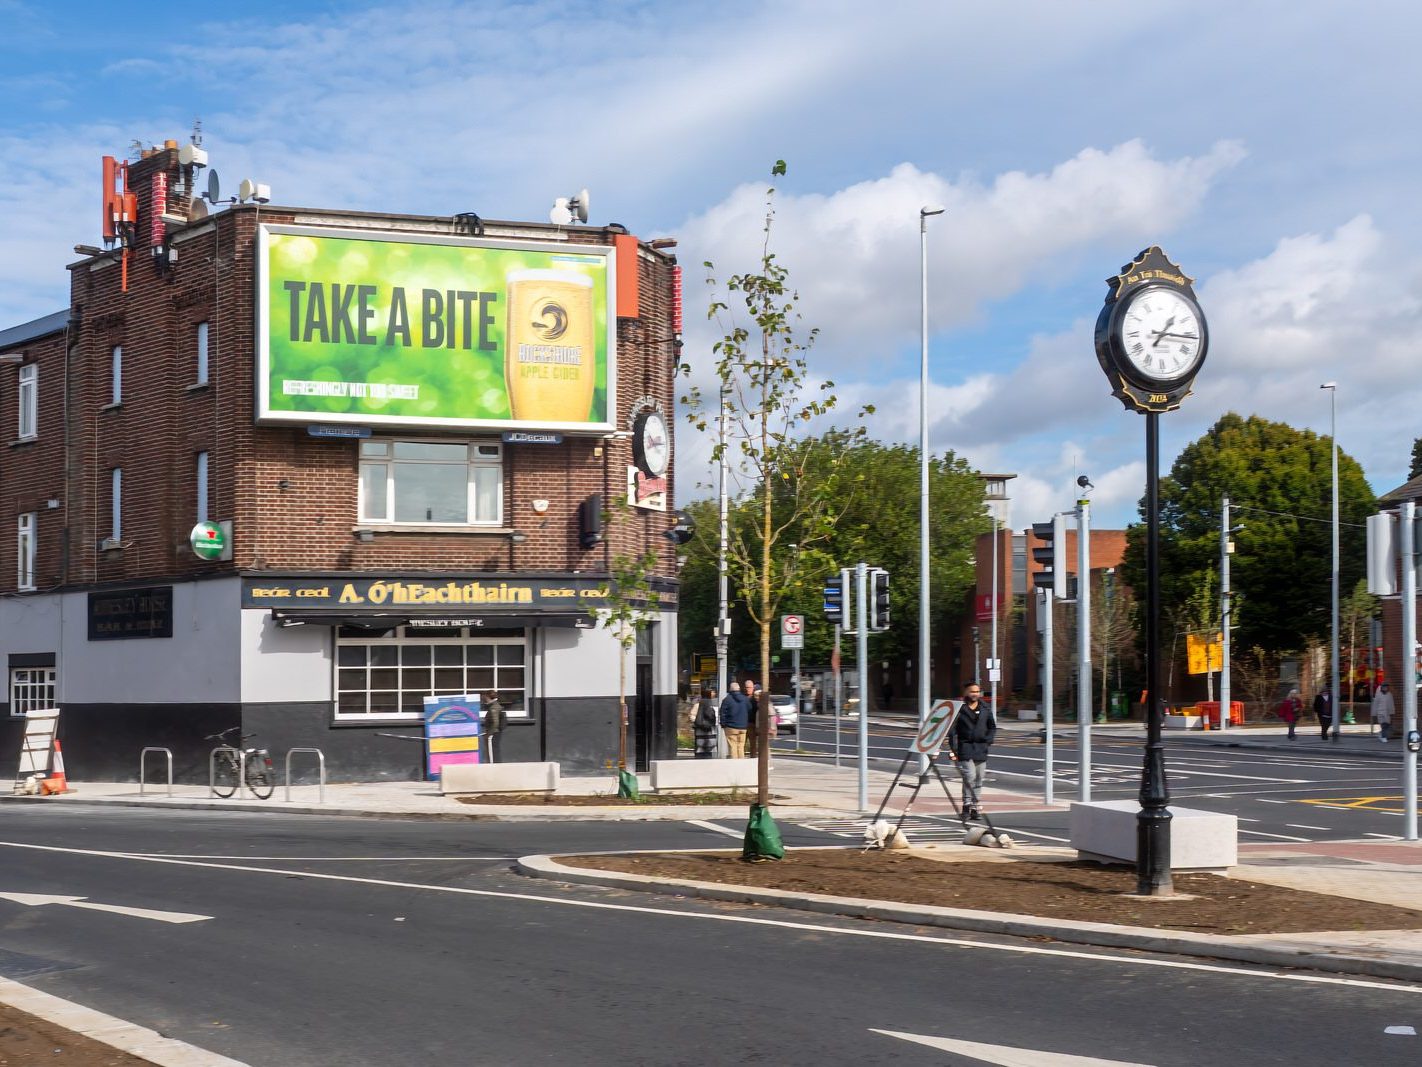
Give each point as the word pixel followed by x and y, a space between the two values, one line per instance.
pixel 1335 696
pixel 723 619
pixel 925 673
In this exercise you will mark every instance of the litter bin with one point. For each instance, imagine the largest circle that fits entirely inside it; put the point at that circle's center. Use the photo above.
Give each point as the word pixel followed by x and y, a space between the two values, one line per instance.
pixel 1209 710
pixel 1118 705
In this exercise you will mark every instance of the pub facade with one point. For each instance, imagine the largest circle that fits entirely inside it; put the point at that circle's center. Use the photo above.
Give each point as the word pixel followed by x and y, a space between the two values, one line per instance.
pixel 297 469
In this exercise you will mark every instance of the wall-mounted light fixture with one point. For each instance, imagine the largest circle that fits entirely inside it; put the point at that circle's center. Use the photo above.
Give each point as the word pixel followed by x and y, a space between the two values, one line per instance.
pixel 539 506
pixel 365 536
pixel 518 537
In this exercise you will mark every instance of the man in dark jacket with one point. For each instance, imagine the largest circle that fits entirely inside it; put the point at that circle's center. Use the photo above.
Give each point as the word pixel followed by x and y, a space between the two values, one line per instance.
pixel 735 717
pixel 974 731
pixel 1323 708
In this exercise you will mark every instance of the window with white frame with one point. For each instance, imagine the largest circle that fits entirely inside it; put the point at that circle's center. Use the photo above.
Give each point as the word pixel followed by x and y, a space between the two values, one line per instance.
pixel 389 675
pixel 31 689
pixel 116 504
pixel 201 354
pixel 116 375
pixel 29 401
pixel 431 482
pixel 201 475
pixel 25 546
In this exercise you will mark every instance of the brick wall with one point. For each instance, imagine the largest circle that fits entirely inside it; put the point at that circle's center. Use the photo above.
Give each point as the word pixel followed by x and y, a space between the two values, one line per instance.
pixel 292 498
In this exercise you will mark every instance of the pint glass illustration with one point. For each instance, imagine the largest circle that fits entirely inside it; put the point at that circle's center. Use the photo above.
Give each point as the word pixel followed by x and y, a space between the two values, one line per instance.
pixel 551 364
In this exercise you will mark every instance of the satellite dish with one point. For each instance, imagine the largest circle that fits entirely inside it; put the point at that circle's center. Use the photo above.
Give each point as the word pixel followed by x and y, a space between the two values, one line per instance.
pixel 214 190
pixel 579 205
pixel 191 155
pixel 560 215
pixel 196 210
pixel 246 190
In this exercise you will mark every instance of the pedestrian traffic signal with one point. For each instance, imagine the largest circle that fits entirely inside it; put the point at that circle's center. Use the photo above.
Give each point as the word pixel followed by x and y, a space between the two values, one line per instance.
pixel 836 602
pixel 1053 572
pixel 878 600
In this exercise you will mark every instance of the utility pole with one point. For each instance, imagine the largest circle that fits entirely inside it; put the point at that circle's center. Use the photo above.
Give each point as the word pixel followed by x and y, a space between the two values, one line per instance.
pixel 1225 548
pixel 1083 645
pixel 1048 693
pixel 1408 672
pixel 861 623
pixel 723 619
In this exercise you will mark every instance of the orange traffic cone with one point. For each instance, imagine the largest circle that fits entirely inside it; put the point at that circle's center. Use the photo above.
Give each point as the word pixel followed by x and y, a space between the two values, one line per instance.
pixel 56 782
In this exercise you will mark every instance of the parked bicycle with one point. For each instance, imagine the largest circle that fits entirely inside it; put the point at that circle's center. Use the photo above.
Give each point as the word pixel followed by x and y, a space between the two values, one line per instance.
pixel 228 764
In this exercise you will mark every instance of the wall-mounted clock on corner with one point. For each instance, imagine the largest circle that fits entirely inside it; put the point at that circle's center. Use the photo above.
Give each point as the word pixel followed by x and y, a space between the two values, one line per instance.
pixel 651 443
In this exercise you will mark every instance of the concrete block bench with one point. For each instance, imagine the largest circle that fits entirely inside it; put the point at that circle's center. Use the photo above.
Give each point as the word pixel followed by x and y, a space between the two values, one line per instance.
pixel 702 774
pixel 1199 840
pixel 1182 722
pixel 499 778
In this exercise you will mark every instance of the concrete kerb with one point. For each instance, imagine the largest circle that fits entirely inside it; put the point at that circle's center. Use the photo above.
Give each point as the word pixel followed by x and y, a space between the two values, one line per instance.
pixel 1280 953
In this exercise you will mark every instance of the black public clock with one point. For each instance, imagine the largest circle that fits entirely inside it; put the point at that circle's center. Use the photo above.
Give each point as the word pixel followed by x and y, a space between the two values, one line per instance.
pixel 651 443
pixel 1151 336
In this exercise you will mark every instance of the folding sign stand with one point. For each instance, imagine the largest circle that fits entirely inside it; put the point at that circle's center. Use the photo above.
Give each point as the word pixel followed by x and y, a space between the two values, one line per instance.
pixel 36 745
pixel 928 743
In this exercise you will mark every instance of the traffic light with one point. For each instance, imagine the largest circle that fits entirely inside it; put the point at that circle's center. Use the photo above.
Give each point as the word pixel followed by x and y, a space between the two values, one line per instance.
pixel 1053 574
pixel 878 600
pixel 837 601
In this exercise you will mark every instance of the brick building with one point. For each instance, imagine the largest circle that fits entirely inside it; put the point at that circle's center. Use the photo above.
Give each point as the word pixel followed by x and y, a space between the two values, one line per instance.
pixel 404 497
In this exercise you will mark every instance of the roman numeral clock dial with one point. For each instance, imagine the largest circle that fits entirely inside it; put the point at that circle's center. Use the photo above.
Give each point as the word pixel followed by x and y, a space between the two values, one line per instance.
pixel 1151 336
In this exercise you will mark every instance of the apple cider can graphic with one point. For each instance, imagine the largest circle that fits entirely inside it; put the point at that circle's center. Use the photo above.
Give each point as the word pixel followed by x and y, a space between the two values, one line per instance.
pixel 551 365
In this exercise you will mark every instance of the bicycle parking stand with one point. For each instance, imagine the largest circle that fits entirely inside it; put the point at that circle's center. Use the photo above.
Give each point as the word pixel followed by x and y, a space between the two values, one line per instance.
pixel 321 763
pixel 142 778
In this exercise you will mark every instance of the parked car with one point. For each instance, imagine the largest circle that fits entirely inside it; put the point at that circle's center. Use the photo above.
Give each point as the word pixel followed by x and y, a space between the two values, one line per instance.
pixel 787 718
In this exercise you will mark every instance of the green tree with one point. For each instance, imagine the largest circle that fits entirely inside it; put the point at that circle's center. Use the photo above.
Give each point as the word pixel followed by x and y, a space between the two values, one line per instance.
pixel 768 397
pixel 1416 468
pixel 1279 480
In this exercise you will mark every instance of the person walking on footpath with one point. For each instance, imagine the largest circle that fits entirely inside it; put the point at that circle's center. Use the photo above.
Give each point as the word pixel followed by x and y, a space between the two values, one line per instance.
pixel 1291 711
pixel 495 719
pixel 1323 708
pixel 735 717
pixel 703 724
pixel 974 731
pixel 1383 709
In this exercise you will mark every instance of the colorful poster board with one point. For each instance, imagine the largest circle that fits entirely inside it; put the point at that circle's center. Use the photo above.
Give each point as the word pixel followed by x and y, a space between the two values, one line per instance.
pixel 451 732
pixel 434 331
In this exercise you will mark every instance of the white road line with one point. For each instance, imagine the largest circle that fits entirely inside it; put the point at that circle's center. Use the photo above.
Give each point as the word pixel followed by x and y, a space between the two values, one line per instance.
pixel 1279 837
pixel 1241 818
pixel 714 828
pixel 328 859
pixel 1265 800
pixel 849 931
pixel 1385 837
pixel 1305 826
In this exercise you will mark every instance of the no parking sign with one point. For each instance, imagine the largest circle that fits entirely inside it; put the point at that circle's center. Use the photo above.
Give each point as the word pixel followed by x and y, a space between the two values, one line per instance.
pixel 934 730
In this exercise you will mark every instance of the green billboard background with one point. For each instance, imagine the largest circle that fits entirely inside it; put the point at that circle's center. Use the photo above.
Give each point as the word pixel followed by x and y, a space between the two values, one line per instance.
pixel 326 323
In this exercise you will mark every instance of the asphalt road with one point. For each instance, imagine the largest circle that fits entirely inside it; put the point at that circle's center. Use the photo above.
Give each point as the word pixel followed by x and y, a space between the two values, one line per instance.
pixel 357 941
pixel 1309 793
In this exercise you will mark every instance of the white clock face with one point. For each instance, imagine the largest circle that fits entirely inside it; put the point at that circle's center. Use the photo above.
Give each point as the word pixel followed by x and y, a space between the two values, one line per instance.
pixel 656 444
pixel 1160 333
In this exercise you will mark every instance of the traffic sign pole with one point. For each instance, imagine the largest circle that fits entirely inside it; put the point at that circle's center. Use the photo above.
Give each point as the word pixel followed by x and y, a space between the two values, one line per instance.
pixel 861 584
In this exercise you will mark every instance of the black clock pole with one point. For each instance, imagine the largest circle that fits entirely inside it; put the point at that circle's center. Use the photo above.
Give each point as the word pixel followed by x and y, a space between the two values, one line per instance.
pixel 1153 820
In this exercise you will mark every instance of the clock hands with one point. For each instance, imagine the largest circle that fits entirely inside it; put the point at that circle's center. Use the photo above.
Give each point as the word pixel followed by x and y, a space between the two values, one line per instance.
pixel 1163 331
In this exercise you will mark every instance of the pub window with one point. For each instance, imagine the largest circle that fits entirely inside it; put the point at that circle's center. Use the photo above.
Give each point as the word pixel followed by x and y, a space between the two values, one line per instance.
pixel 29 401
pixel 388 676
pixel 25 543
pixel 116 504
pixel 202 487
pixel 31 689
pixel 116 375
pixel 201 365
pixel 436 482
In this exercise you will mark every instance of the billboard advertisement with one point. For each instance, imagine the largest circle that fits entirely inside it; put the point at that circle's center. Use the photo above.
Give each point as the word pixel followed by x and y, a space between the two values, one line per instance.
pixel 440 332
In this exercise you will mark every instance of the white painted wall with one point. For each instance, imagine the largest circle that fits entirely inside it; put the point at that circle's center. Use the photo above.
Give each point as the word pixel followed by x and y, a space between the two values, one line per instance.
pixel 199 663
pixel 583 663
pixel 284 663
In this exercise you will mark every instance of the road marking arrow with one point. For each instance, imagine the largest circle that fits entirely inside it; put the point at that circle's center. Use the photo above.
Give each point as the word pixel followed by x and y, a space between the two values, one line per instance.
pixel 34 900
pixel 1006 1056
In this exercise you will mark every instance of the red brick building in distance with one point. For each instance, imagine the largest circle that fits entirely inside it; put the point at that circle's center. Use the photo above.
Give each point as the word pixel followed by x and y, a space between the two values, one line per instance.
pixel 413 467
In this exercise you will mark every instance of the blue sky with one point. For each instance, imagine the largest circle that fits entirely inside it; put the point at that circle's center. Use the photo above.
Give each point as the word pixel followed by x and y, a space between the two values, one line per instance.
pixel 1269 147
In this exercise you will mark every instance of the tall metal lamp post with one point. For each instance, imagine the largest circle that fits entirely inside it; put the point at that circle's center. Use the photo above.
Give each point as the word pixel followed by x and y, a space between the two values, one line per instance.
pixel 1336 697
pixel 925 671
